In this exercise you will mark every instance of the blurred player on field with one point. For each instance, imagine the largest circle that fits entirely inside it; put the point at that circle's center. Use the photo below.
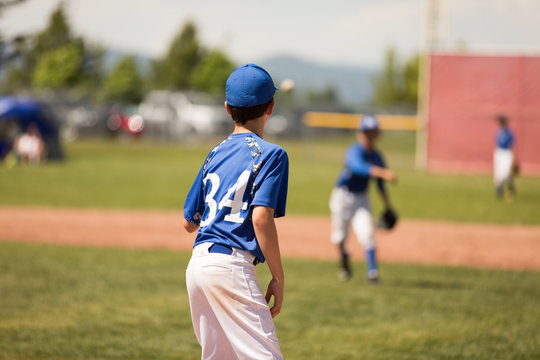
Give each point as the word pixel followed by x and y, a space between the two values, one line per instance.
pixel 504 161
pixel 349 202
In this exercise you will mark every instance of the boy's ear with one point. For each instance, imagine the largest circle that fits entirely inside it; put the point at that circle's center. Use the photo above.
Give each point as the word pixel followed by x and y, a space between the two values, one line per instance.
pixel 227 108
pixel 270 108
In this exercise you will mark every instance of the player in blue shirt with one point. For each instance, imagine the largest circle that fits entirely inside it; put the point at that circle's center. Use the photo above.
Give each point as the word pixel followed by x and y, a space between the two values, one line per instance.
pixel 504 161
pixel 349 202
pixel 239 190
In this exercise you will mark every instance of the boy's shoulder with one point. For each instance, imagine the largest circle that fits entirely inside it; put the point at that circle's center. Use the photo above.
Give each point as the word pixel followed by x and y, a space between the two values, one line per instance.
pixel 375 153
pixel 256 144
pixel 360 148
pixel 236 147
pixel 273 147
pixel 275 153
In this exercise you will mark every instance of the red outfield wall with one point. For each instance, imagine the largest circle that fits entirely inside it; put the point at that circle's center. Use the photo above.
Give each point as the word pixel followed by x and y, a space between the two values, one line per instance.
pixel 466 93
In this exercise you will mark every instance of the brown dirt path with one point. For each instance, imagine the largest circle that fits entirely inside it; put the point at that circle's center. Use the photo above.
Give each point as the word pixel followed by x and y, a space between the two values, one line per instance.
pixel 413 241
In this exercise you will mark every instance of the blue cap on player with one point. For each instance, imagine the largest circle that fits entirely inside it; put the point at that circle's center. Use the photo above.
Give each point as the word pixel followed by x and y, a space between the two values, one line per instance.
pixel 249 85
pixel 368 122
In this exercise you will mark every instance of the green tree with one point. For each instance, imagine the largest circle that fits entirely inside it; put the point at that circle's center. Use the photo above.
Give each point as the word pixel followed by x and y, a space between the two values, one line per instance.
pixel 388 86
pixel 10 48
pixel 45 51
pixel 59 68
pixel 91 81
pixel 410 80
pixel 12 55
pixel 124 83
pixel 212 72
pixel 175 69
pixel 57 34
pixel 397 84
pixel 5 44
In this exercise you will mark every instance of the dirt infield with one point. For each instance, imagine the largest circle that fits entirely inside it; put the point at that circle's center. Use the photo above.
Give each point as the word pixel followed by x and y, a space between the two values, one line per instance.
pixel 413 241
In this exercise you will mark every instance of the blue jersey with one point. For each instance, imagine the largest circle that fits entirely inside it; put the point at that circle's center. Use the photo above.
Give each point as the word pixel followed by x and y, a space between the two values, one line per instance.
pixel 504 139
pixel 356 173
pixel 241 172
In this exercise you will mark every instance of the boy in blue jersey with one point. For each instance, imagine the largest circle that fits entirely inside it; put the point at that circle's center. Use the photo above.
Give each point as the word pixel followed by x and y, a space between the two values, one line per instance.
pixel 349 202
pixel 239 190
pixel 504 161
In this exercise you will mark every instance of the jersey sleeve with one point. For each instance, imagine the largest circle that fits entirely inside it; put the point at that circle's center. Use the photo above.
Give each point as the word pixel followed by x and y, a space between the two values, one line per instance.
pixel 355 162
pixel 194 204
pixel 511 140
pixel 271 184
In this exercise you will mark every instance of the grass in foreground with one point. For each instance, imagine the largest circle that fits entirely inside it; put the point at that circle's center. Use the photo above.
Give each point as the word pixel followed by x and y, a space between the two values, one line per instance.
pixel 61 302
pixel 158 176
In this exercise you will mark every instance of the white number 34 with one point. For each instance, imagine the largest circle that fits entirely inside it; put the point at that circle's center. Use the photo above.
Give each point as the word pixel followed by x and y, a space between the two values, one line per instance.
pixel 236 204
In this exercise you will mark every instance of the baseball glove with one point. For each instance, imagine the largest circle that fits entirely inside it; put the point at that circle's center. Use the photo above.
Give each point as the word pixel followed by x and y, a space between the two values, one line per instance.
pixel 387 220
pixel 515 168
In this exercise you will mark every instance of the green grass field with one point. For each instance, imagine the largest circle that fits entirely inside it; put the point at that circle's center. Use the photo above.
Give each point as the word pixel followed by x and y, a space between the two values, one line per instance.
pixel 61 302
pixel 146 175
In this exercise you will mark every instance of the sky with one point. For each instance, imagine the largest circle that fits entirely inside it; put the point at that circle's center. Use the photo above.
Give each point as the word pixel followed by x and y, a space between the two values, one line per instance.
pixel 348 32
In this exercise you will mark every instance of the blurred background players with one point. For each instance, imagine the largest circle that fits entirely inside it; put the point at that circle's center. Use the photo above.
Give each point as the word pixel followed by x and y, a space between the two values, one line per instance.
pixel 349 202
pixel 504 161
pixel 29 146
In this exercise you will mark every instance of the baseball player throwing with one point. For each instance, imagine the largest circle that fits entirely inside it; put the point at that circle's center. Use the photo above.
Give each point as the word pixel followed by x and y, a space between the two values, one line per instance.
pixel 504 160
pixel 239 190
pixel 349 202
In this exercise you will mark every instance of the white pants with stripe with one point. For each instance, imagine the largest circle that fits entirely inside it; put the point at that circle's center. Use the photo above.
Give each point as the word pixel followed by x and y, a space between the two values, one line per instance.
pixel 229 312
pixel 351 208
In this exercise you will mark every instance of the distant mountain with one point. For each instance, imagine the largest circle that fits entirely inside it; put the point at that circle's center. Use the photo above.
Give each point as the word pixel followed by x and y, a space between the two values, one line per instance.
pixel 353 83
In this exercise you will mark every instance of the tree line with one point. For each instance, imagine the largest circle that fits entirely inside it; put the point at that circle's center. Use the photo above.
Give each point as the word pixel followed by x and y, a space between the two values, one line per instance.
pixel 56 59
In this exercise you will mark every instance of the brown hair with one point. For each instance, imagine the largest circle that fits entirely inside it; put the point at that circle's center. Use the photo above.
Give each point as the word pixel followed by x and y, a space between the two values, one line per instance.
pixel 502 119
pixel 242 115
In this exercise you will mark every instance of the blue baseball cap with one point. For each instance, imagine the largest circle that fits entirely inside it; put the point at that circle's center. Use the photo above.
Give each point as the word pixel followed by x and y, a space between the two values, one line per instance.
pixel 368 122
pixel 249 85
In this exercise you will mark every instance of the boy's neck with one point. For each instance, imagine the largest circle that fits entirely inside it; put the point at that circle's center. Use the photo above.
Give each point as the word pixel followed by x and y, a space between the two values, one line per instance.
pixel 368 145
pixel 254 126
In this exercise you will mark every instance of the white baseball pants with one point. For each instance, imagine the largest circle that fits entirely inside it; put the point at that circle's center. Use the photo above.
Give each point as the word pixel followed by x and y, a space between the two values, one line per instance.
pixel 351 208
pixel 229 312
pixel 502 165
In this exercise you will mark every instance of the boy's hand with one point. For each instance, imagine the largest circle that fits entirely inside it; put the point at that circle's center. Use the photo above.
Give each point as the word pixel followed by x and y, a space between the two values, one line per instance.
pixel 391 176
pixel 383 173
pixel 275 288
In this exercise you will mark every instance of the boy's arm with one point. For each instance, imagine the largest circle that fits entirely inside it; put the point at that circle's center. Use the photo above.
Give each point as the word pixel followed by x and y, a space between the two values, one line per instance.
pixel 266 232
pixel 382 173
pixel 385 199
pixel 355 163
pixel 190 227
